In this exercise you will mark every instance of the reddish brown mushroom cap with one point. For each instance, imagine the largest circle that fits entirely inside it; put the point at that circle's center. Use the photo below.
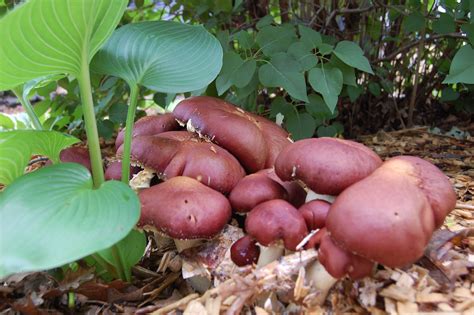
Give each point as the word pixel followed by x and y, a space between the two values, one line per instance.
pixel 204 161
pixel 244 251
pixel 76 155
pixel 339 262
pixel 254 189
pixel 148 126
pixel 276 220
pixel 326 165
pixel 114 171
pixel 253 140
pixel 436 186
pixel 296 193
pixel 384 217
pixel 315 213
pixel 183 208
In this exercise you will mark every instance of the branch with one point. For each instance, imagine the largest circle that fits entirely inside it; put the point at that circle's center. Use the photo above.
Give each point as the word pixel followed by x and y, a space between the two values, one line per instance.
pixel 416 42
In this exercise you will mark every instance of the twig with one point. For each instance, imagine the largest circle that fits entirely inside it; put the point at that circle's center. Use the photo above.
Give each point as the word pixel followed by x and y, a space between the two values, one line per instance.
pixel 464 206
pixel 416 42
pixel 176 304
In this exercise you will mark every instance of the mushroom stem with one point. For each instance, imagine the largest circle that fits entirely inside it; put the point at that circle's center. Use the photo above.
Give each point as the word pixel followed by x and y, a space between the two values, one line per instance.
pixel 185 244
pixel 269 254
pixel 315 196
pixel 320 279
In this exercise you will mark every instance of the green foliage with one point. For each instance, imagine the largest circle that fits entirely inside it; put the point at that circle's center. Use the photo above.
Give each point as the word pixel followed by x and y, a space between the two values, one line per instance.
pixel 462 67
pixel 17 147
pixel 74 220
pixel 163 56
pixel 50 41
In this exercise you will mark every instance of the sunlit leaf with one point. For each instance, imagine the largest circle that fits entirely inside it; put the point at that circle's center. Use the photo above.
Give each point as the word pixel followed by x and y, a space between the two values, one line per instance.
pixel 163 56
pixel 18 146
pixel 42 38
pixel 39 233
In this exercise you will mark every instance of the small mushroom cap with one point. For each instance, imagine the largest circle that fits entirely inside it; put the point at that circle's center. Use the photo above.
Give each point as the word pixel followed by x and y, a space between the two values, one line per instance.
pixel 384 218
pixel 296 193
pixel 254 189
pixel 78 155
pixel 149 126
pixel 315 213
pixel 204 161
pixel 245 251
pixel 430 180
pixel 183 208
pixel 276 220
pixel 253 140
pixel 326 165
pixel 339 262
pixel 114 171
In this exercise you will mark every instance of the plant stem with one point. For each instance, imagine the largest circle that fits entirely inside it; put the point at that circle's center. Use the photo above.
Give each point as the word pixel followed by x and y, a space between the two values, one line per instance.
pixel 119 264
pixel 28 108
pixel 91 125
pixel 127 144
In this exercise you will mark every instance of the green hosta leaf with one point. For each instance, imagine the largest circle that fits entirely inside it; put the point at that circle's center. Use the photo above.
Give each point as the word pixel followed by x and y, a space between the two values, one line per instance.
pixel 303 54
pixel 351 54
pixel 53 37
pixel 310 36
pixel 274 39
pixel 130 250
pixel 445 24
pixel 53 216
pixel 414 22
pixel 163 56
pixel 284 71
pixel 348 72
pixel 245 39
pixel 300 125
pixel 327 81
pixel 6 123
pixel 18 146
pixel 462 66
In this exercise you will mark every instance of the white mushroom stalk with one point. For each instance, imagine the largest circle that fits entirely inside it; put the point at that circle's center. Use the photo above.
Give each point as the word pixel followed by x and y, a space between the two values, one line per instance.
pixel 311 195
pixel 185 244
pixel 270 253
pixel 320 279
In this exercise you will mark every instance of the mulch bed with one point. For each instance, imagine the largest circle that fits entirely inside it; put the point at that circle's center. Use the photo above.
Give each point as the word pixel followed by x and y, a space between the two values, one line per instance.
pixel 442 281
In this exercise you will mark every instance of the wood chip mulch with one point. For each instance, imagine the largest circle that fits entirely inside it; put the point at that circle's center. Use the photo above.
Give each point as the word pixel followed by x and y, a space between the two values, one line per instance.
pixel 441 281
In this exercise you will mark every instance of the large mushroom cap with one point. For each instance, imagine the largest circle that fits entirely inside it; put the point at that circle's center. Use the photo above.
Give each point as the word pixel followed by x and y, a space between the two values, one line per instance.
pixel 253 140
pixel 276 220
pixel 430 180
pixel 149 126
pixel 385 218
pixel 192 157
pixel 254 189
pixel 326 165
pixel 183 208
pixel 114 171
pixel 76 154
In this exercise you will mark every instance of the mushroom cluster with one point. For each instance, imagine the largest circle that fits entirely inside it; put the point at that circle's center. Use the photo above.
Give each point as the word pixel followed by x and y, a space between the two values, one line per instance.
pixel 334 195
